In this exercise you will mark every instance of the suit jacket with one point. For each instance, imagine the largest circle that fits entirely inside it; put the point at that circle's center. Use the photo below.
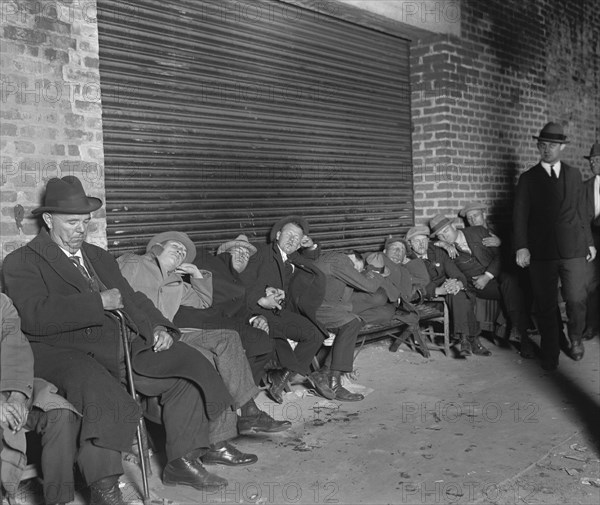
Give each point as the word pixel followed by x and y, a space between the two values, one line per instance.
pixel 306 287
pixel 58 309
pixel 488 257
pixel 550 219
pixel 591 209
pixel 440 267
pixel 342 279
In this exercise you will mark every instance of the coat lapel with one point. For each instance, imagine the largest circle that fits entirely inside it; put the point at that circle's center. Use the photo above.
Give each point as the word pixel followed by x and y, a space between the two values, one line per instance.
pixel 58 261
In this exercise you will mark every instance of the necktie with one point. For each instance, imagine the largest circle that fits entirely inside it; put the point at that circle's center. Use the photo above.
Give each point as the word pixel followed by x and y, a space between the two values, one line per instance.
pixel 552 172
pixel 91 281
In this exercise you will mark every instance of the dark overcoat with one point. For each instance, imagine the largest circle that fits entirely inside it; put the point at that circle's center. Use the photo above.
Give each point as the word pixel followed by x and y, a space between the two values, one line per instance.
pixel 440 267
pixel 305 288
pixel 549 218
pixel 64 320
pixel 488 257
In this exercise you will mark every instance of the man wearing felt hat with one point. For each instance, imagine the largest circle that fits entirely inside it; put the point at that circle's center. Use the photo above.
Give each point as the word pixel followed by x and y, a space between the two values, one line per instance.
pixel 553 238
pixel 445 279
pixel 287 288
pixel 592 186
pixel 159 275
pixel 64 288
pixel 486 278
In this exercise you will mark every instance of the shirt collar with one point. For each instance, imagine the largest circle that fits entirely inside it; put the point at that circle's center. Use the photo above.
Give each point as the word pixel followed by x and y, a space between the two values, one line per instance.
pixel 283 255
pixel 546 167
pixel 69 254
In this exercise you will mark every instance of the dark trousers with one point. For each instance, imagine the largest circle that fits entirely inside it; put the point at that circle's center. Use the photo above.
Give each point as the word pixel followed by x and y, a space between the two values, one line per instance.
pixel 545 275
pixel 183 416
pixel 341 355
pixel 58 430
pixel 373 308
pixel 505 288
pixel 293 326
pixel 462 313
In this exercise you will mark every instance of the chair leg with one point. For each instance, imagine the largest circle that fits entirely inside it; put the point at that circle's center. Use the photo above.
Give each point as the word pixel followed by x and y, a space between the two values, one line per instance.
pixel 446 331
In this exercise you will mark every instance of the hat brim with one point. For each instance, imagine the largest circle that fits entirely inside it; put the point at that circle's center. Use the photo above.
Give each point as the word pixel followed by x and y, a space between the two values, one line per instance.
pixel 223 248
pixel 554 141
pixel 93 204
pixel 190 247
pixel 435 233
pixel 463 212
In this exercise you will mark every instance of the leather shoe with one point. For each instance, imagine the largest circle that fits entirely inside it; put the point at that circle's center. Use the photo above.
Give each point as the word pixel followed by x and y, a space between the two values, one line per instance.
pixel 464 347
pixel 477 347
pixel 320 381
pixel 341 393
pixel 590 334
pixel 279 380
pixel 106 492
pixel 190 472
pixel 226 454
pixel 263 422
pixel 577 350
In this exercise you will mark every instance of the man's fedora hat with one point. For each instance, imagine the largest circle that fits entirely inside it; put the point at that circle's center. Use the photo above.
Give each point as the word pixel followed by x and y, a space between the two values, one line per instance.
pixel 594 151
pixel 179 237
pixel 438 223
pixel 300 221
pixel 471 206
pixel 552 132
pixel 240 241
pixel 419 230
pixel 66 196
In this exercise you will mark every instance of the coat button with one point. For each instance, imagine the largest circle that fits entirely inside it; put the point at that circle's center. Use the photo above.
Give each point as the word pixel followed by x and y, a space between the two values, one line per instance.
pixel 88 331
pixel 90 354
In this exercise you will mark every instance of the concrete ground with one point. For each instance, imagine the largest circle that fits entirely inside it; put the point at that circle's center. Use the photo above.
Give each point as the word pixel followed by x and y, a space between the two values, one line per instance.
pixel 433 431
pixel 439 430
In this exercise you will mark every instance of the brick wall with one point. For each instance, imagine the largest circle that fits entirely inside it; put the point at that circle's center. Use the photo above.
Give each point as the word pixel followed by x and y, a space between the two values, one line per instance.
pixel 478 99
pixel 51 121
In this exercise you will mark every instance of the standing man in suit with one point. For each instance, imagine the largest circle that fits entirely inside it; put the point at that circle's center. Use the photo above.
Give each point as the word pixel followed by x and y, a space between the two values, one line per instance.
pixel 592 186
pixel 270 278
pixel 64 289
pixel 553 238
pixel 482 267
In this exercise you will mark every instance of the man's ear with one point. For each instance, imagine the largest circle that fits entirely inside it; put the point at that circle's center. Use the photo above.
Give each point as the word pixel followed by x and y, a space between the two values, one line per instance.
pixel 277 235
pixel 562 146
pixel 47 217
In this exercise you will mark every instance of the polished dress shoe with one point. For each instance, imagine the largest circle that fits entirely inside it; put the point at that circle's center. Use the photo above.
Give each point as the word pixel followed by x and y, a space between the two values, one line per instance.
pixel 464 347
pixel 577 350
pixel 190 472
pixel 477 347
pixel 590 334
pixel 261 422
pixel 341 393
pixel 320 381
pixel 279 380
pixel 106 491
pixel 224 453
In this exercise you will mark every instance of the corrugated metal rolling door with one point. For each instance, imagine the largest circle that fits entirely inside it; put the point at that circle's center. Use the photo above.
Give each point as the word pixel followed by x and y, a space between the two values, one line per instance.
pixel 220 117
